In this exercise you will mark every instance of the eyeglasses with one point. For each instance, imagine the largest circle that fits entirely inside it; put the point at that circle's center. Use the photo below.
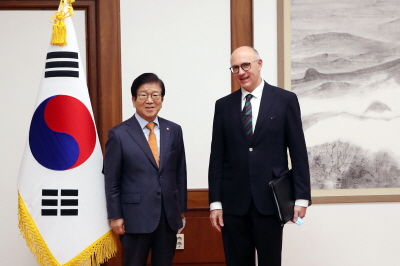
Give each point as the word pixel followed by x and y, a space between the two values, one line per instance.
pixel 245 66
pixel 154 96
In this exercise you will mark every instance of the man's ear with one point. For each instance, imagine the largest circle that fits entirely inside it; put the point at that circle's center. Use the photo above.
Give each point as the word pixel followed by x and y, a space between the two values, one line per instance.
pixel 134 101
pixel 260 64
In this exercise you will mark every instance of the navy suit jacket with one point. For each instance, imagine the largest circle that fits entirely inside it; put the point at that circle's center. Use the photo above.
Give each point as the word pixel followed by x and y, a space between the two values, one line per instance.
pixel 240 168
pixel 135 185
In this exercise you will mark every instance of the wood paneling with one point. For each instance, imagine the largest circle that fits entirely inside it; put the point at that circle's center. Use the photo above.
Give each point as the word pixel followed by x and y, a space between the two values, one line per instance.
pixel 109 66
pixel 241 28
pixel 198 199
pixel 202 244
pixel 284 49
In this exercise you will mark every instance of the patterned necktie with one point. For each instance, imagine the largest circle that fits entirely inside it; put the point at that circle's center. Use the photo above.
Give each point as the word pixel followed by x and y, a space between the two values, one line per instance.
pixel 153 141
pixel 247 116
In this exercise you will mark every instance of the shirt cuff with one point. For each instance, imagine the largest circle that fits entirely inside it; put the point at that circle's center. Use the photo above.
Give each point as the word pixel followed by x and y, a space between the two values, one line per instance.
pixel 301 202
pixel 216 205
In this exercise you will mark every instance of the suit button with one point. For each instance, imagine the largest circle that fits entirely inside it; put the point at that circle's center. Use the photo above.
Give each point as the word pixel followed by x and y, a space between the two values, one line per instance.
pixel 250 149
pixel 158 193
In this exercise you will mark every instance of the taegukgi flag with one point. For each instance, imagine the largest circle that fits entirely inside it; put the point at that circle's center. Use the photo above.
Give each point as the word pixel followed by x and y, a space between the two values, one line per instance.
pixel 61 201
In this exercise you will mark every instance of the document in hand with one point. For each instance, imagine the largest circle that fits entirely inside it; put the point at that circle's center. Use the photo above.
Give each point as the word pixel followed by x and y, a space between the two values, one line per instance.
pixel 283 194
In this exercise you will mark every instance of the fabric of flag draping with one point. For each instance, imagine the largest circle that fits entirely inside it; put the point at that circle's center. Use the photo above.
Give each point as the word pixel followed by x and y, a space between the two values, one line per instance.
pixel 61 199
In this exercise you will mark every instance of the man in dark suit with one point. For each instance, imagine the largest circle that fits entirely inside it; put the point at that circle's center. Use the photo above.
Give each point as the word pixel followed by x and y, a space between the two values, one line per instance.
pixel 252 131
pixel 145 178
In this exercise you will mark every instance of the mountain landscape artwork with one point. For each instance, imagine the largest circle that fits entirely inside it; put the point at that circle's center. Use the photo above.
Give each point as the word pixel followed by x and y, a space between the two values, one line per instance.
pixel 346 74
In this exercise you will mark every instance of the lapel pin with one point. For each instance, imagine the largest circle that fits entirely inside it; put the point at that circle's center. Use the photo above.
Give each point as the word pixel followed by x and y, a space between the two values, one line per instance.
pixel 167 128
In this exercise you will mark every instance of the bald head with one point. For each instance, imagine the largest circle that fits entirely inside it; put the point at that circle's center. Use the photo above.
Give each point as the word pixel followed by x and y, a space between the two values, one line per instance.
pixel 246 49
pixel 247 56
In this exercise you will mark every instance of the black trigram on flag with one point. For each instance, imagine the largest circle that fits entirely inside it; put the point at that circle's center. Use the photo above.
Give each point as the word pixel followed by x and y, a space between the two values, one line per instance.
pixel 52 203
pixel 62 64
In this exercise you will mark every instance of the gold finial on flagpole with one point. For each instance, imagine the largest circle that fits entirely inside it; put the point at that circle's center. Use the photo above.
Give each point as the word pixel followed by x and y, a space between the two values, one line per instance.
pixel 59 31
pixel 70 8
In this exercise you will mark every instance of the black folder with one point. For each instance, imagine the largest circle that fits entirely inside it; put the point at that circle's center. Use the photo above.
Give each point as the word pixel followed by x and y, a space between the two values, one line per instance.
pixel 283 195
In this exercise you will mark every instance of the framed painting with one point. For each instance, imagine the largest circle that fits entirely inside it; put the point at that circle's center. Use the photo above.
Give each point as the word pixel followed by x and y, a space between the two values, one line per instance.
pixel 342 59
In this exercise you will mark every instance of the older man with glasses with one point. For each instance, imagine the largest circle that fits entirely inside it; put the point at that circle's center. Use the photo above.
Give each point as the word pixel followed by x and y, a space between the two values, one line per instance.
pixel 252 131
pixel 145 178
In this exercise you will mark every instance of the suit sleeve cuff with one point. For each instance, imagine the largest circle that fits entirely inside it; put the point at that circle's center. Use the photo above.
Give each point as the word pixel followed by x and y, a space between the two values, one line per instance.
pixel 216 205
pixel 301 202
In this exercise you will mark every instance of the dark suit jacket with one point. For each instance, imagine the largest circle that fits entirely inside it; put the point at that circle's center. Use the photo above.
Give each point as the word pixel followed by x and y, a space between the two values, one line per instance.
pixel 240 168
pixel 135 185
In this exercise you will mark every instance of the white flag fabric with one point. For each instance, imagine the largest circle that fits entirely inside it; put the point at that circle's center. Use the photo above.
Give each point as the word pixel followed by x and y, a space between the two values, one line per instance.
pixel 62 207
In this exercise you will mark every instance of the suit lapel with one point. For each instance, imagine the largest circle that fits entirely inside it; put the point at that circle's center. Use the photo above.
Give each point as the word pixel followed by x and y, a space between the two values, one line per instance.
pixel 267 100
pixel 236 111
pixel 165 133
pixel 136 132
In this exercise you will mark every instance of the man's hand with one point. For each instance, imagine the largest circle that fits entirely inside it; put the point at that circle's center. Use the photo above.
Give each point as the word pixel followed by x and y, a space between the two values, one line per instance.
pixel 216 219
pixel 299 211
pixel 117 226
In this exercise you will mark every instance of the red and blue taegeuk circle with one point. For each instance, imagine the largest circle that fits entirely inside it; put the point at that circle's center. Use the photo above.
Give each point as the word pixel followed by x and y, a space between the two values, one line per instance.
pixel 62 135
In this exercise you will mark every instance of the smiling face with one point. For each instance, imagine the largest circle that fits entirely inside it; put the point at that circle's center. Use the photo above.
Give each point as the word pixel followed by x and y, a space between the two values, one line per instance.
pixel 250 79
pixel 148 108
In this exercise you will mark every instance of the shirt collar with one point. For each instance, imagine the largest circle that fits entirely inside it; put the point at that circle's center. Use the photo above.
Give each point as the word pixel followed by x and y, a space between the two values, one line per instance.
pixel 143 122
pixel 257 93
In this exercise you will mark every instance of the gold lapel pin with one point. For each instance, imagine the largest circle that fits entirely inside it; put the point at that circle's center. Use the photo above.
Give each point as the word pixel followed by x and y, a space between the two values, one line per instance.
pixel 167 128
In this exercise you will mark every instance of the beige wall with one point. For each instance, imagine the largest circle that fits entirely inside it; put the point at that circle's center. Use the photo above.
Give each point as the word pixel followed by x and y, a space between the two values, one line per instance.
pixel 187 44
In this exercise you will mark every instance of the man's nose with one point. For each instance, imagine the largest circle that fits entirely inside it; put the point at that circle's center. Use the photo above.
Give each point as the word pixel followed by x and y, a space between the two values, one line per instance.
pixel 149 99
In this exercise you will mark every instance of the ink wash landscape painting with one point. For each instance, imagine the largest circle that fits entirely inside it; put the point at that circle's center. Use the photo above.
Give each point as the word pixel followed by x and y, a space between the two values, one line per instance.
pixel 346 74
